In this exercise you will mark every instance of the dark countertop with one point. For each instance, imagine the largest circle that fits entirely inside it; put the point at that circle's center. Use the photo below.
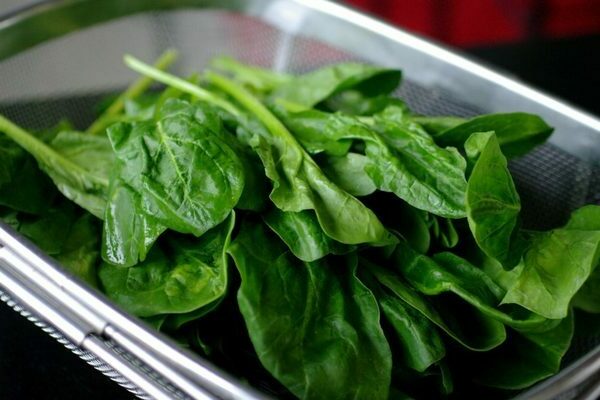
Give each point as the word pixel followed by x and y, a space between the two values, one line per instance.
pixel 35 366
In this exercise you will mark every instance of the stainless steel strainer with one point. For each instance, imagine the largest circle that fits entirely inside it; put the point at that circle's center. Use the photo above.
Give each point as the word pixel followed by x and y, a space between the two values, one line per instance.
pixel 59 58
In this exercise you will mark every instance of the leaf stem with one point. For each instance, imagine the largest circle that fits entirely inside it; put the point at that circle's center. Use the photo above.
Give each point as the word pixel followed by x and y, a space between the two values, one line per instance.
pixel 255 76
pixel 137 88
pixel 181 84
pixel 43 153
pixel 250 102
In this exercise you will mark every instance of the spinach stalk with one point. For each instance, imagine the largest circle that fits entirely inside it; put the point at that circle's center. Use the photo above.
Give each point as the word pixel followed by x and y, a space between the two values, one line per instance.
pixel 138 87
pixel 299 183
pixel 176 82
pixel 85 187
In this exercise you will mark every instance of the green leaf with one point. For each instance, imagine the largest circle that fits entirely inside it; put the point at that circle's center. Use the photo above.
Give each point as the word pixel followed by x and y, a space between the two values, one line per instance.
pixel 260 79
pixel 81 183
pixel 517 133
pixel 180 275
pixel 17 167
pixel 302 233
pixel 174 322
pixel 442 230
pixel 95 156
pixel 50 230
pixel 80 254
pixel 348 172
pixel 556 265
pixel 129 232
pixel 187 176
pixel 420 343
pixel 436 125
pixel 314 326
pixel 493 204
pixel 402 158
pixel 298 182
pixel 356 103
pixel 526 358
pixel 466 325
pixel 588 297
pixel 446 272
pixel 314 87
pixel 427 177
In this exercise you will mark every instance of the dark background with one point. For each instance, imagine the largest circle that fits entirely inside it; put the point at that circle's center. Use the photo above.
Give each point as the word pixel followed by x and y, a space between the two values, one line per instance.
pixel 553 45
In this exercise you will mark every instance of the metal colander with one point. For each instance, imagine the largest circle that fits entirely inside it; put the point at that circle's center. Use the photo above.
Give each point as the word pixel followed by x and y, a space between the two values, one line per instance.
pixel 60 58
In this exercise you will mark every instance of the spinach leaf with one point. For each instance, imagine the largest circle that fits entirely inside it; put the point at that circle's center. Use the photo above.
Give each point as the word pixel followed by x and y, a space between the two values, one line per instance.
pixel 493 204
pixel 556 265
pixel 129 232
pixel 466 325
pixel 80 183
pixel 314 326
pixel 517 133
pixel 80 254
pixel 49 231
pixel 420 344
pixel 187 176
pixel 314 87
pixel 443 231
pixel 174 322
pixel 262 80
pixel 436 125
pixel 17 167
pixel 348 172
pixel 586 218
pixel 402 158
pixel 180 275
pixel 524 359
pixel 299 184
pixel 354 102
pixel 446 272
pixel 303 235
pixel 588 297
pixel 434 176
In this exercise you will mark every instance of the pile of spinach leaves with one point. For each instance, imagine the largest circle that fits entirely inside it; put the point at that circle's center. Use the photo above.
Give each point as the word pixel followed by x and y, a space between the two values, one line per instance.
pixel 310 228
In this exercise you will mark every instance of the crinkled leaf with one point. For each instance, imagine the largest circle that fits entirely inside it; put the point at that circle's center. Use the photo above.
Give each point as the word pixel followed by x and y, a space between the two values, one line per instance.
pixel 94 155
pixel 314 326
pixel 180 275
pixel 314 87
pixel 403 159
pixel 187 176
pixel 129 232
pixel 298 182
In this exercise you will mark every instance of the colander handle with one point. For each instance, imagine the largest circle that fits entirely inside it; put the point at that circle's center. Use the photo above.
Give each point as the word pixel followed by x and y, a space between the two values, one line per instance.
pixel 75 329
pixel 90 322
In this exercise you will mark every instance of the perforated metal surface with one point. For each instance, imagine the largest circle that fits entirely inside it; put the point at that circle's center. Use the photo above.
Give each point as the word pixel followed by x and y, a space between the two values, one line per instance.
pixel 65 78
